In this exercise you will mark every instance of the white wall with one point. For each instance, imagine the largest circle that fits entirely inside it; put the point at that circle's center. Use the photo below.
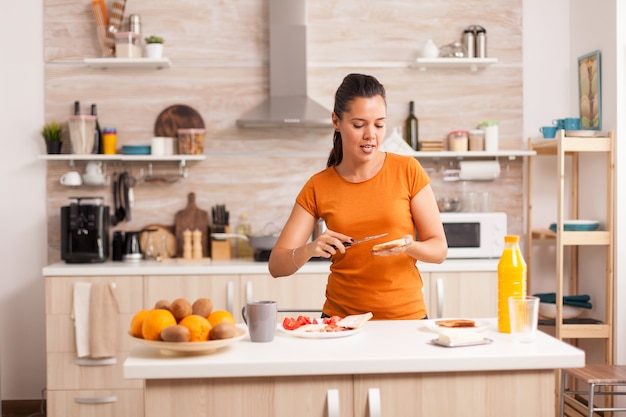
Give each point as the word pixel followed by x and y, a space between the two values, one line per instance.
pixel 547 94
pixel 23 254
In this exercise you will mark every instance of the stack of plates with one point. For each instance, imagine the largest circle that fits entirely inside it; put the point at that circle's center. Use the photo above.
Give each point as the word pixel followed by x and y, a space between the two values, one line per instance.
pixel 136 150
pixel 577 225
pixel 583 133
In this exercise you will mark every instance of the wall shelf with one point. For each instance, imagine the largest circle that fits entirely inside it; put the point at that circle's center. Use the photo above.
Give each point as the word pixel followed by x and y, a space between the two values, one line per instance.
pixel 473 64
pixel 123 158
pixel 106 63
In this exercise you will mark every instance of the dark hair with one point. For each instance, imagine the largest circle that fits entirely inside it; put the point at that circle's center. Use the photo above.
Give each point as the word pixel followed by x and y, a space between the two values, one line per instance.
pixel 353 86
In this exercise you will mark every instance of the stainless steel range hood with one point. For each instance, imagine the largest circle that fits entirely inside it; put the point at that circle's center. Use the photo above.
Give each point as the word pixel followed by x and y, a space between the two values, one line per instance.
pixel 288 103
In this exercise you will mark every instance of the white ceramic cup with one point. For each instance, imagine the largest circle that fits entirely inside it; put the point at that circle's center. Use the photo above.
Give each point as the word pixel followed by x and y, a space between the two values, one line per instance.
pixel 71 179
pixel 157 146
pixel 260 316
pixel 524 316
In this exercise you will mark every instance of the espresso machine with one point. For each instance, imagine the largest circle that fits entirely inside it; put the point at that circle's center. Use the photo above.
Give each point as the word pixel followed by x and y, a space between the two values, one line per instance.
pixel 85 230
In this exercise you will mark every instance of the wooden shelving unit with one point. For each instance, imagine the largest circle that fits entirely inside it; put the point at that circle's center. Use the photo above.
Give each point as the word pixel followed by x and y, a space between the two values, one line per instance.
pixel 572 147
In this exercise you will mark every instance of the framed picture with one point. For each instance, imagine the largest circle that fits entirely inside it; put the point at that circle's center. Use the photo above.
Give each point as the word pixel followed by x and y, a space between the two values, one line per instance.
pixel 590 91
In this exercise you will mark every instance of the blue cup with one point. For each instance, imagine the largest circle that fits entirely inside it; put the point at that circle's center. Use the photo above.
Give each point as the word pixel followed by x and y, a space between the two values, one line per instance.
pixel 559 123
pixel 549 132
pixel 571 123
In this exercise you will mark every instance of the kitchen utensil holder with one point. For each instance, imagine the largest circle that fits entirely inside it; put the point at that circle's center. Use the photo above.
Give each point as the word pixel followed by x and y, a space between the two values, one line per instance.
pixel 220 249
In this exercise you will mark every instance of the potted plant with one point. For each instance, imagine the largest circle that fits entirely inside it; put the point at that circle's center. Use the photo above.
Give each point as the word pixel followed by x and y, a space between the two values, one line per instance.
pixel 51 133
pixel 154 46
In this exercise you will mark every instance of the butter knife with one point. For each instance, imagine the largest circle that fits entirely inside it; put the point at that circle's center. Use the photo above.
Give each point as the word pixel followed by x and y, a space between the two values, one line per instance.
pixel 365 239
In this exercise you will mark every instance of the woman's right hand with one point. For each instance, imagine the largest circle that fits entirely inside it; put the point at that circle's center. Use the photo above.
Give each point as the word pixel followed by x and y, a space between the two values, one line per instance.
pixel 329 243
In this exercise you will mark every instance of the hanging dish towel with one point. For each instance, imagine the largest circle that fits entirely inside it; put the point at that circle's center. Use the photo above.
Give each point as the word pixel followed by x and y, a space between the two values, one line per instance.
pixel 80 314
pixel 103 320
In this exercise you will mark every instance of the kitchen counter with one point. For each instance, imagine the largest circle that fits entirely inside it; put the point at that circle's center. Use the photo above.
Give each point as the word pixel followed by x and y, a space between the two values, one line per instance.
pixel 388 368
pixel 236 266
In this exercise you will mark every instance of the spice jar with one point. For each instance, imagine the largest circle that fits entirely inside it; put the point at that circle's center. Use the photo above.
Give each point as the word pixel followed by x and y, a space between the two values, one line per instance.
pixel 476 140
pixel 458 140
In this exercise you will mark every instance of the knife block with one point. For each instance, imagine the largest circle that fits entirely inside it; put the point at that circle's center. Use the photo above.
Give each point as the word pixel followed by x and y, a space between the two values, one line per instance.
pixel 221 249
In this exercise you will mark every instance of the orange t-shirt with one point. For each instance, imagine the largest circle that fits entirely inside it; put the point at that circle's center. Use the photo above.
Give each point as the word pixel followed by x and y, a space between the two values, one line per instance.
pixel 388 286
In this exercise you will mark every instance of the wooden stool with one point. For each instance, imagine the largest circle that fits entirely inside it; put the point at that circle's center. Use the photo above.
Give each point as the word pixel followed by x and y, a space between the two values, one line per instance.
pixel 601 379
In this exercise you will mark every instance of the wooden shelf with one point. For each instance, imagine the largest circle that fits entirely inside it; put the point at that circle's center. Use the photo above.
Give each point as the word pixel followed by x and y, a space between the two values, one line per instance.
pixel 473 64
pixel 148 63
pixel 182 159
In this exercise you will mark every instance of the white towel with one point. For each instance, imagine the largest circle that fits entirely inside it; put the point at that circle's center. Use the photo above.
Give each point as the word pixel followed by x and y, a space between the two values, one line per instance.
pixel 103 316
pixel 80 313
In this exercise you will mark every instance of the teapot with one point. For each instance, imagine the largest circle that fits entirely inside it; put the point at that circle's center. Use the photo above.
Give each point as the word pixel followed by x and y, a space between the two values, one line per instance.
pixel 430 50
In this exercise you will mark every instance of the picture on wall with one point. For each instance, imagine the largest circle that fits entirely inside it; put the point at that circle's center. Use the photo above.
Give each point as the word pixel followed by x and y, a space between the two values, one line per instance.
pixel 590 91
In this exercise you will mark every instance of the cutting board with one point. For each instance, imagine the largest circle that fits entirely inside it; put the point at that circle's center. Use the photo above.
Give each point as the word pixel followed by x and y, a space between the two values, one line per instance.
pixel 191 218
pixel 177 117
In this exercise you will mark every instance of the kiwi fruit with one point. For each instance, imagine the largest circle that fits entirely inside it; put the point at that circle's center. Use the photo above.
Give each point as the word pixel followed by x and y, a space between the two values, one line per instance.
pixel 175 333
pixel 223 330
pixel 202 307
pixel 180 308
pixel 162 305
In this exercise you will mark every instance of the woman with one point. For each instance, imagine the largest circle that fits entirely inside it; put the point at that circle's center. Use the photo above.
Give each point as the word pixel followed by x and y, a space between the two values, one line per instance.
pixel 365 192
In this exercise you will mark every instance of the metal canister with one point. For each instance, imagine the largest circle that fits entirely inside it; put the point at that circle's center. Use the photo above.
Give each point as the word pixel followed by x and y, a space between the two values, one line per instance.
pixel 481 42
pixel 134 23
pixel 468 42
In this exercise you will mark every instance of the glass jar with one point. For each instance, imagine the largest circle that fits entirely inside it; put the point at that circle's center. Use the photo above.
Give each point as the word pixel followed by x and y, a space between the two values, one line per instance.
pixel 476 140
pixel 128 45
pixel 458 141
pixel 191 141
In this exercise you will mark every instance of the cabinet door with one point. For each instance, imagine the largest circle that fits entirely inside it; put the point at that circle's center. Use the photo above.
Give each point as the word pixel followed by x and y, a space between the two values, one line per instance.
pixel 311 396
pixel 296 292
pixel 463 294
pixel 222 290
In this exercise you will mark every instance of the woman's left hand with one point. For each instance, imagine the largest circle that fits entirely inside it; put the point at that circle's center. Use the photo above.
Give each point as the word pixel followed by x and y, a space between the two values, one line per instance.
pixel 408 239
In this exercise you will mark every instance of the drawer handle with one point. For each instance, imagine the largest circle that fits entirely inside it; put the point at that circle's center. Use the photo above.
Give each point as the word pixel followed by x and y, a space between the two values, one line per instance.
pixel 332 403
pixel 373 401
pixel 230 294
pixel 440 297
pixel 95 362
pixel 95 400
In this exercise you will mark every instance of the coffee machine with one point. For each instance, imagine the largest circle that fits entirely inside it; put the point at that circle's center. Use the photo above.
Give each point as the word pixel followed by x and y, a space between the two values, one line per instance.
pixel 85 230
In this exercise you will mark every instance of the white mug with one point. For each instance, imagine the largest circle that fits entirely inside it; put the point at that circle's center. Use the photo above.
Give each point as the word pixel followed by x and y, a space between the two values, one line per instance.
pixel 71 178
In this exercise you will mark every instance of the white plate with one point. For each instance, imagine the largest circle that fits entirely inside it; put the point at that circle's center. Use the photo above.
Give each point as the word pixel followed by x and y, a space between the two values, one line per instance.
pixel 582 133
pixel 450 345
pixel 192 347
pixel 481 325
pixel 318 335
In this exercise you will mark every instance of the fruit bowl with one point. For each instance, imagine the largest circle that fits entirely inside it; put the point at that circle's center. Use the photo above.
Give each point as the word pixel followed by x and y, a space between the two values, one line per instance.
pixel 197 348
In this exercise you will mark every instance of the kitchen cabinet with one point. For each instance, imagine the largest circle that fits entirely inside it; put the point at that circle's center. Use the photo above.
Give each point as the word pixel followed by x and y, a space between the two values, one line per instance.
pixel 568 197
pixel 83 386
pixel 461 294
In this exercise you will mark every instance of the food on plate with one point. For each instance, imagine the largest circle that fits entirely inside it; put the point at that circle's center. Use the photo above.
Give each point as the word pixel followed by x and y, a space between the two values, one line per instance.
pixel 326 324
pixel 454 323
pixel 202 307
pixel 155 321
pixel 451 338
pixel 199 327
pixel 175 333
pixel 383 247
pixel 223 330
pixel 137 322
pixel 219 316
pixel 180 308
pixel 163 305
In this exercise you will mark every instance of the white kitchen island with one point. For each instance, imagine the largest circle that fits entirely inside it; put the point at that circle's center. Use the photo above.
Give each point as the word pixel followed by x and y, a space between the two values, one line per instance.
pixel 387 369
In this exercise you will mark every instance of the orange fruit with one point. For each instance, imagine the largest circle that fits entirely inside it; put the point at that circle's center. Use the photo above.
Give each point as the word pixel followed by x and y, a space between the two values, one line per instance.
pixel 219 316
pixel 155 321
pixel 137 322
pixel 198 326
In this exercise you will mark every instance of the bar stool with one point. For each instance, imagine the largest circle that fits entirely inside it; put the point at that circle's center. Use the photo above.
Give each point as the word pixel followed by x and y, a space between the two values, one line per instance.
pixel 601 379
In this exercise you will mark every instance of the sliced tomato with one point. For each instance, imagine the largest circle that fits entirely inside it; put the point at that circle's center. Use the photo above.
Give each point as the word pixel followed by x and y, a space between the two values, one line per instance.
pixel 303 320
pixel 289 323
pixel 331 320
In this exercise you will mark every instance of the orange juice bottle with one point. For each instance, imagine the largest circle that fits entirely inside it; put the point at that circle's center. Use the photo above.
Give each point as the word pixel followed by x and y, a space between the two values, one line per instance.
pixel 511 279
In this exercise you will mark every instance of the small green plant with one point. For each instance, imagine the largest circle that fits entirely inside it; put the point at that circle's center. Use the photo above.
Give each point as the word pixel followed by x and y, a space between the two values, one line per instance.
pixel 154 39
pixel 51 132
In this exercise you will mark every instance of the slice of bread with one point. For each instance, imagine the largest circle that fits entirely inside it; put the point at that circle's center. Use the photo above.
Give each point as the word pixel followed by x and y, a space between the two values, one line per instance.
pixel 382 247
pixel 452 323
pixel 354 321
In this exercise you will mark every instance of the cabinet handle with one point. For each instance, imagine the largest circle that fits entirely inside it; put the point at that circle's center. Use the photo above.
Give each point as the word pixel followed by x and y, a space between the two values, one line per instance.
pixel 95 400
pixel 332 403
pixel 95 362
pixel 249 293
pixel 229 296
pixel 373 402
pixel 440 295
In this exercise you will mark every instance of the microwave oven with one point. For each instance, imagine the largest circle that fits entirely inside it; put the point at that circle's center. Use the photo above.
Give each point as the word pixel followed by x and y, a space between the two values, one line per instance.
pixel 474 235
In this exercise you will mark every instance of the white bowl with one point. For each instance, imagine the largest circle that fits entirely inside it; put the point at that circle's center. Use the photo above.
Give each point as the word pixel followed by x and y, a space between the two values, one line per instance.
pixel 548 311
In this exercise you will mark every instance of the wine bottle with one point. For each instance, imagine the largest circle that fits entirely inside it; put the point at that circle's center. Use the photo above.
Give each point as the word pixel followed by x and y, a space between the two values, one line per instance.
pixel 97 133
pixel 76 108
pixel 411 128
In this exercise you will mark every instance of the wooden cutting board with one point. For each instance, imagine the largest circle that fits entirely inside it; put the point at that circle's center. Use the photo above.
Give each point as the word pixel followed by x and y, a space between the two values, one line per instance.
pixel 191 218
pixel 177 117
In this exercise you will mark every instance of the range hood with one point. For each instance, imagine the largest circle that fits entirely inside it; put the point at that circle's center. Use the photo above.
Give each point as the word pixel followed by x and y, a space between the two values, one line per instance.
pixel 288 103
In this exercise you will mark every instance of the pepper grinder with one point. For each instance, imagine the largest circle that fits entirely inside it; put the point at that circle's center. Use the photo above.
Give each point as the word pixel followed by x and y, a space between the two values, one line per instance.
pixel 197 244
pixel 187 244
